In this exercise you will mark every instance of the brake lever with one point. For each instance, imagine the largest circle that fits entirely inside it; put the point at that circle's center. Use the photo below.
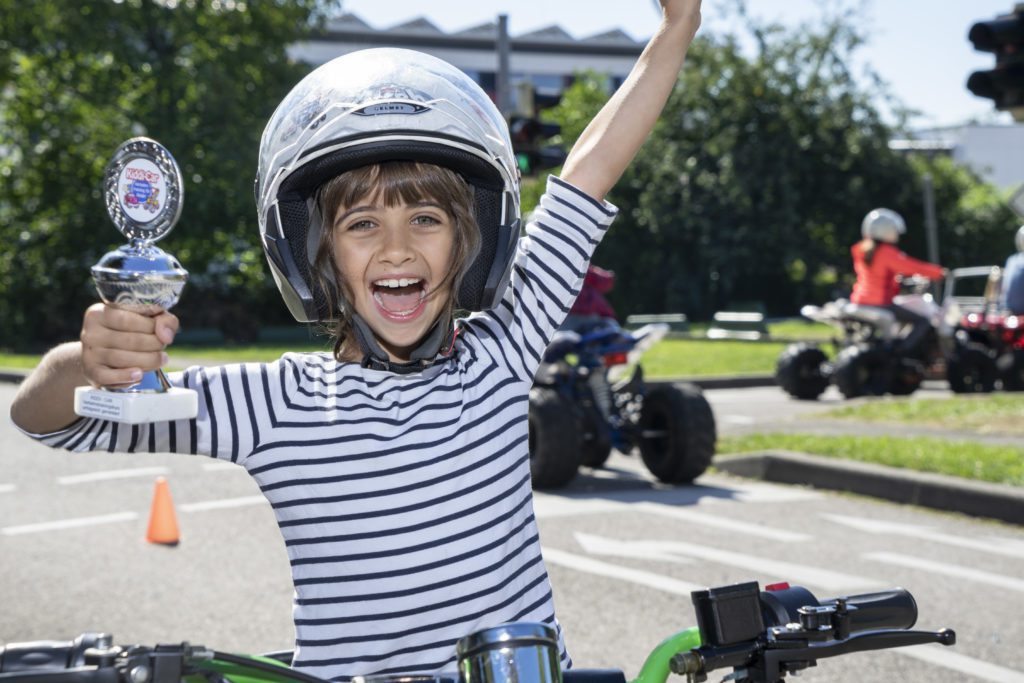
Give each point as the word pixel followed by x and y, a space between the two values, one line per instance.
pixel 775 660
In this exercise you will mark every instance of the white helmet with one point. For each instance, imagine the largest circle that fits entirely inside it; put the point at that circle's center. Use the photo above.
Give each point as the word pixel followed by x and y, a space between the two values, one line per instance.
pixel 370 106
pixel 1020 238
pixel 883 225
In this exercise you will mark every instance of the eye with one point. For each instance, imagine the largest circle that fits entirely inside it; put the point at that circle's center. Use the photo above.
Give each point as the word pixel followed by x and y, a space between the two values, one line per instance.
pixel 361 224
pixel 426 219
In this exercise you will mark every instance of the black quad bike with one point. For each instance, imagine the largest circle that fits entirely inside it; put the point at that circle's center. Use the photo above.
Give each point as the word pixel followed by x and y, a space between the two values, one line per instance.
pixel 580 409
pixel 868 360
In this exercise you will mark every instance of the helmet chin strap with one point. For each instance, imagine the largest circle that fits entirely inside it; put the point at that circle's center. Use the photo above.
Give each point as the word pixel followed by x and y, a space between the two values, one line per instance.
pixel 437 347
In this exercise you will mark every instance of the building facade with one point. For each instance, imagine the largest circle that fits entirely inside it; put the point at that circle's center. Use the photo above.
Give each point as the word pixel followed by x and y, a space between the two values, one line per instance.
pixel 541 63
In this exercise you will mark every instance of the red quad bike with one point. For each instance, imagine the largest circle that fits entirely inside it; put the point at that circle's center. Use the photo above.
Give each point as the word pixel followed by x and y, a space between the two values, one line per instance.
pixel 867 360
pixel 1001 333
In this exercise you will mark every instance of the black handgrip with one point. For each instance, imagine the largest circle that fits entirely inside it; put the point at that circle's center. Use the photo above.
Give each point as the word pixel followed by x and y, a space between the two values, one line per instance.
pixel 49 654
pixel 894 608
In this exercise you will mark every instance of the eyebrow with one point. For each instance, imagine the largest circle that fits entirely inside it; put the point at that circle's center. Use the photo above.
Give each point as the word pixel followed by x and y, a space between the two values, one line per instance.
pixel 373 207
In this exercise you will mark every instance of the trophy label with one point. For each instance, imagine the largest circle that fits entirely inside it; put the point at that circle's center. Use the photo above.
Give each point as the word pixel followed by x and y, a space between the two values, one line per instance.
pixel 143 190
pixel 105 405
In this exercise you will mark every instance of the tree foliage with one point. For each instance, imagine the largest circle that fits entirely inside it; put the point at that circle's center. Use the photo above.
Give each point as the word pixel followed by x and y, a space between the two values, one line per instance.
pixel 200 76
pixel 754 183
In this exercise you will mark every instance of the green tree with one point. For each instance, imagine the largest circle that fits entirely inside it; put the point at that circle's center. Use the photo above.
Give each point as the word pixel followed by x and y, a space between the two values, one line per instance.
pixel 200 76
pixel 755 181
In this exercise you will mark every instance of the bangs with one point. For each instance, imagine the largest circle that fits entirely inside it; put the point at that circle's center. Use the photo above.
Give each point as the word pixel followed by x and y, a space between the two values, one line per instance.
pixel 396 183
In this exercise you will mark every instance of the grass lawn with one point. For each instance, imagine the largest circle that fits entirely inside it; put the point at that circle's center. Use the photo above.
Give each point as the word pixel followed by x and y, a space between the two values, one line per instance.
pixel 983 462
pixel 700 357
pixel 669 358
pixel 984 414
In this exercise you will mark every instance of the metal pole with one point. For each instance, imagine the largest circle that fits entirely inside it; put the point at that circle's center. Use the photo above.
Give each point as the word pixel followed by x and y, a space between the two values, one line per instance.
pixel 931 227
pixel 503 96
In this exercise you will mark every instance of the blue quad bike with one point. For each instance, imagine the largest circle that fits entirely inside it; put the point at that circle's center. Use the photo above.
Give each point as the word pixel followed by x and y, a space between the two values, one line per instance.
pixel 583 404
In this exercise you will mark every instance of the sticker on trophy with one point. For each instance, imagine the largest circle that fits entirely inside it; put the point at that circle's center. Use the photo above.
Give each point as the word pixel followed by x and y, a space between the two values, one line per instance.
pixel 144 190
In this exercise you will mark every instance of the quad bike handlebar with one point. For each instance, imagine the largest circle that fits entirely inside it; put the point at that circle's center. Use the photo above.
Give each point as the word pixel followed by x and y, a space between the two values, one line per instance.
pixel 760 635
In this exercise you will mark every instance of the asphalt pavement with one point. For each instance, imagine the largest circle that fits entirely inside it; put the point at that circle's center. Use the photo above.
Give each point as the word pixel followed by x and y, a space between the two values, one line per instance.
pixel 952 494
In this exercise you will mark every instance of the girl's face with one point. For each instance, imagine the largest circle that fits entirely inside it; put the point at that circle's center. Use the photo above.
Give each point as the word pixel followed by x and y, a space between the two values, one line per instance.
pixel 393 261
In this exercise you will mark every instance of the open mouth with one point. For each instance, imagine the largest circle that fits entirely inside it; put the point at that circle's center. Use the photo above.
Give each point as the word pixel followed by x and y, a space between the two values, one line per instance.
pixel 400 297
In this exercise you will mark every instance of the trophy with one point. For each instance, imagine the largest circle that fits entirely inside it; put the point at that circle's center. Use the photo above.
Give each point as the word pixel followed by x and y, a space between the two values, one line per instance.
pixel 143 190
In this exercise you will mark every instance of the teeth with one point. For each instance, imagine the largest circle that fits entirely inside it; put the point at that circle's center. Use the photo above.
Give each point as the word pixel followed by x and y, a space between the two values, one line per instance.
pixel 394 283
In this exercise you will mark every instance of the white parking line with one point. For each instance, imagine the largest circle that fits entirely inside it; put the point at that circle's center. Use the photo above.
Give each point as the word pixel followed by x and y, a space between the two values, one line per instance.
pixel 728 524
pixel 60 524
pixel 72 479
pixel 589 565
pixel 925 533
pixel 767 568
pixel 949 570
pixel 971 667
pixel 222 504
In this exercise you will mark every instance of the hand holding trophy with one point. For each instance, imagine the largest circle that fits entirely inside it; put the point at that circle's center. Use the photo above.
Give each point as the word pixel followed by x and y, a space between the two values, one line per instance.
pixel 143 190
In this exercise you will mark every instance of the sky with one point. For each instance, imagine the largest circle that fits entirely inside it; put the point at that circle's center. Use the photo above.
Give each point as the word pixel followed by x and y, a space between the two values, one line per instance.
pixel 919 47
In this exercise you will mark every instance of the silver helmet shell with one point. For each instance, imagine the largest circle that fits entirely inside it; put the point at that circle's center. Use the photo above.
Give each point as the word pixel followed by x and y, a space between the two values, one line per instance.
pixel 883 225
pixel 372 106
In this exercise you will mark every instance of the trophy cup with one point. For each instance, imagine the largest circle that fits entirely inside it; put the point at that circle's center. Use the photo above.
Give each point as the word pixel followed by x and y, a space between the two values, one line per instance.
pixel 143 190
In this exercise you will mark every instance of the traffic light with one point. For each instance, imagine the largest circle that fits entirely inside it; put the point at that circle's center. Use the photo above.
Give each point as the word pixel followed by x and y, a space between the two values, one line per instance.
pixel 528 134
pixel 1004 84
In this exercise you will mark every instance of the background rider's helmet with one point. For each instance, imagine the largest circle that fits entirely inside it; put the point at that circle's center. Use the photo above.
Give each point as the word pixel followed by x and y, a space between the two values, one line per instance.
pixel 883 225
pixel 1020 238
pixel 383 104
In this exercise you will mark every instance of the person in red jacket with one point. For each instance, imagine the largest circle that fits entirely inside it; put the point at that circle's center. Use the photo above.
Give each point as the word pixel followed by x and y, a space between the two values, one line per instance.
pixel 591 308
pixel 877 261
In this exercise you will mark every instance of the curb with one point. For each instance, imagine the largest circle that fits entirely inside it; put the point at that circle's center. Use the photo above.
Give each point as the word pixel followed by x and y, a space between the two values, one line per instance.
pixel 730 382
pixel 937 491
pixel 13 376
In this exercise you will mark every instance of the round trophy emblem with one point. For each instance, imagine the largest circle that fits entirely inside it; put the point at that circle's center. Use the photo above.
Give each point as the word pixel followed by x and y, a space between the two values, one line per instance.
pixel 143 189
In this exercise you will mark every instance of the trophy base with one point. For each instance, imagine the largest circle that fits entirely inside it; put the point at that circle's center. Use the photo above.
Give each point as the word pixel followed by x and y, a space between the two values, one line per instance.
pixel 176 403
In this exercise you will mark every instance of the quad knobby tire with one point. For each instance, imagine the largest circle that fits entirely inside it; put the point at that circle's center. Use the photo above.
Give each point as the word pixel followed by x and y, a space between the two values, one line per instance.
pixel 971 369
pixel 677 432
pixel 800 371
pixel 1011 370
pixel 596 442
pixel 554 439
pixel 861 371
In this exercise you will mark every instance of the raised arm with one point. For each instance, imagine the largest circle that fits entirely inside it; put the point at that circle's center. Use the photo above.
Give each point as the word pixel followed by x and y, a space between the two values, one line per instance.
pixel 613 137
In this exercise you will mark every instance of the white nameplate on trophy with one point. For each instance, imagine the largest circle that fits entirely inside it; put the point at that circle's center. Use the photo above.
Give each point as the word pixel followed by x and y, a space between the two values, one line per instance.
pixel 176 403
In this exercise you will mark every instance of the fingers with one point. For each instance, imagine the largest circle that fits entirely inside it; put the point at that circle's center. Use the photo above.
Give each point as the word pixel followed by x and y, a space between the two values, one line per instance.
pixel 119 345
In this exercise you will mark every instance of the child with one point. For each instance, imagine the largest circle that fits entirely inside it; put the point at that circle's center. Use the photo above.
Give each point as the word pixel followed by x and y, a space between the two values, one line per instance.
pixel 1011 297
pixel 397 467
pixel 877 261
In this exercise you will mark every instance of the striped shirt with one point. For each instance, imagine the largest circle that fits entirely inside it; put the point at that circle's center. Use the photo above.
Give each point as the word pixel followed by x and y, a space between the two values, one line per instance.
pixel 404 500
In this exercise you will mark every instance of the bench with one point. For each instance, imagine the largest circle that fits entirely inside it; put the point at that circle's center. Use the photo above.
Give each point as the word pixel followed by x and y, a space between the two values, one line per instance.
pixel 748 325
pixel 677 322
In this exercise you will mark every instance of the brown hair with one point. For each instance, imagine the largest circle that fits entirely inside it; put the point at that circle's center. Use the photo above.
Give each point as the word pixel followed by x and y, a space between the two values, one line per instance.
pixel 868 246
pixel 393 183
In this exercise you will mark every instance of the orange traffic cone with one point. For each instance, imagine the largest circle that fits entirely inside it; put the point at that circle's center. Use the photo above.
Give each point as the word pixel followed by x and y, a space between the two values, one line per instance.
pixel 163 524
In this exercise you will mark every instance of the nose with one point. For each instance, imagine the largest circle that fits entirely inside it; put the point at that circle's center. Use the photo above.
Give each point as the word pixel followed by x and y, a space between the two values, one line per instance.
pixel 396 247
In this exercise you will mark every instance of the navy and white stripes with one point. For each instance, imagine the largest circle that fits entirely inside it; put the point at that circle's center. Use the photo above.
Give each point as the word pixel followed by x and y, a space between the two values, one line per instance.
pixel 404 500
